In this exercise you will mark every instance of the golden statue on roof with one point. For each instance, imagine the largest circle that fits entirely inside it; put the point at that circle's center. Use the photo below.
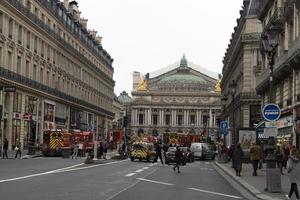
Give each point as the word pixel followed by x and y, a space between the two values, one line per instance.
pixel 218 85
pixel 142 86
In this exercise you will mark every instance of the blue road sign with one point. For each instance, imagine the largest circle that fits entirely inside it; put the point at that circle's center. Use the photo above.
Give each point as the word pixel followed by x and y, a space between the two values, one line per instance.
pixel 224 127
pixel 271 112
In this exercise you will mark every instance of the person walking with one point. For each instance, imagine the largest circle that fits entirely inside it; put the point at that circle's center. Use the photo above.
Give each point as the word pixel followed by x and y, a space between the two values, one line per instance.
pixel 178 159
pixel 293 169
pixel 18 151
pixel 5 148
pixel 100 151
pixel 105 146
pixel 158 148
pixel 237 159
pixel 255 156
pixel 279 159
pixel 75 151
pixel 286 153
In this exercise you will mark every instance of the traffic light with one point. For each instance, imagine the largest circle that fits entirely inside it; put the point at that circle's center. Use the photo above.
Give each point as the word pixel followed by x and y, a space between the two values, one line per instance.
pixel 125 121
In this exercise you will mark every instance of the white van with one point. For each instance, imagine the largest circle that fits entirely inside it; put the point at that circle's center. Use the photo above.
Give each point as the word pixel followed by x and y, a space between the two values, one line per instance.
pixel 202 150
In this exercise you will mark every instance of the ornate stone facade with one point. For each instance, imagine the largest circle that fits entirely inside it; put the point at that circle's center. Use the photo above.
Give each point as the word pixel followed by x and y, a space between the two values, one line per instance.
pixel 63 76
pixel 180 100
pixel 283 17
pixel 242 61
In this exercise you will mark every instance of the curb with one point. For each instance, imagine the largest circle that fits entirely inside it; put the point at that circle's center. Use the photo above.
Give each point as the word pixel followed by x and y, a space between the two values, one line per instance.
pixel 258 194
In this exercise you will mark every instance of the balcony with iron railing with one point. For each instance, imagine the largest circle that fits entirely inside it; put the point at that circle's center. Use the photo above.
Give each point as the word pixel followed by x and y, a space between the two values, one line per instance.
pixel 276 21
pixel 263 8
pixel 45 28
pixel 12 76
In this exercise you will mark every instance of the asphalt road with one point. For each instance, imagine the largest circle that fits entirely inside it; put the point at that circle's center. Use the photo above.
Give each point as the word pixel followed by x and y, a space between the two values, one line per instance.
pixel 56 178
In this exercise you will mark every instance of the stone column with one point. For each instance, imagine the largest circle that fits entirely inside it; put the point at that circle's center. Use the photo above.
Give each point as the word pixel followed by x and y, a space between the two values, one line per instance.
pixel 162 117
pixel 173 118
pixel 150 117
pixel 9 118
pixel 197 118
pixel 210 118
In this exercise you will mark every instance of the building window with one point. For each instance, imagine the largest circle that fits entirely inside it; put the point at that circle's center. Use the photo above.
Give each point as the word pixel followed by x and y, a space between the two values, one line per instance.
pixel 168 120
pixel 28 40
pixel 19 65
pixel 17 102
pixel 9 60
pixel 16 130
pixel 30 105
pixel 20 34
pixel 34 72
pixel 10 28
pixel 35 44
pixel 27 69
pixel 179 120
pixel 48 78
pixel 141 119
pixel 1 22
pixel 42 75
pixel 155 119
pixel 26 133
pixel 192 119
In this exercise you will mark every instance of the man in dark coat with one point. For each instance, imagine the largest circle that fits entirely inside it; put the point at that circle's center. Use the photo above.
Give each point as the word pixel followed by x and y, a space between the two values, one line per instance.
pixel 5 148
pixel 158 148
pixel 178 159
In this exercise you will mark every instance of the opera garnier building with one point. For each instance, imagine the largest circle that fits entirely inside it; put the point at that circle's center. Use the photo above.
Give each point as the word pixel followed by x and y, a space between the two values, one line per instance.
pixel 180 100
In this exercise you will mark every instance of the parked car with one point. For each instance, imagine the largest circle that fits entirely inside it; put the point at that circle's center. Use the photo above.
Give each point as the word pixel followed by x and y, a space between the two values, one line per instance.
pixel 189 156
pixel 203 150
pixel 170 156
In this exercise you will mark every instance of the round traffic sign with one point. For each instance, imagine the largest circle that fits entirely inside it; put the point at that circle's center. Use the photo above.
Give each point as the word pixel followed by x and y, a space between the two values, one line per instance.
pixel 271 112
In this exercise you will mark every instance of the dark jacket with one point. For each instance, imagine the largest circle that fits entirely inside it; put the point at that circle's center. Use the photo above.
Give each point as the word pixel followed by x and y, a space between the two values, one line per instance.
pixel 178 155
pixel 5 145
pixel 157 147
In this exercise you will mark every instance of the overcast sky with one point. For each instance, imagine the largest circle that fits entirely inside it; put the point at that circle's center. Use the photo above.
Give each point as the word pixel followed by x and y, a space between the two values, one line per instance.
pixel 147 35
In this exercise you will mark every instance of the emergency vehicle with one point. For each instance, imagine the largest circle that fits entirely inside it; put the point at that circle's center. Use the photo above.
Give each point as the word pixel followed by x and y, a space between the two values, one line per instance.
pixel 142 151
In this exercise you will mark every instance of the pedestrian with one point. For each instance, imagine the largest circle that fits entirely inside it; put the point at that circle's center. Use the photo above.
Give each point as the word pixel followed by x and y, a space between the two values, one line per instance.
pixel 255 156
pixel 75 150
pixel 279 158
pixel 158 148
pixel 293 169
pixel 237 159
pixel 286 153
pixel 100 151
pixel 105 146
pixel 230 154
pixel 178 159
pixel 5 148
pixel 18 151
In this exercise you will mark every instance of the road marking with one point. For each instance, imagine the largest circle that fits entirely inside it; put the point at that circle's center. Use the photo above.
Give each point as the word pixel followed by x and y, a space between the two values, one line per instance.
pixel 216 193
pixel 207 163
pixel 140 170
pixel 144 168
pixel 151 181
pixel 61 170
pixel 131 174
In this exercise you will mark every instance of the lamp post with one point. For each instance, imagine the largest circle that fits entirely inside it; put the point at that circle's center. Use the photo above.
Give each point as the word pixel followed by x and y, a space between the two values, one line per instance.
pixel 223 102
pixel 232 88
pixel 269 49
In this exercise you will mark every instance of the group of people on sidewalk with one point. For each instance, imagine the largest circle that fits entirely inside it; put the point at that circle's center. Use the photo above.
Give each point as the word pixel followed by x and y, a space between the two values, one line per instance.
pixel 18 153
pixel 287 157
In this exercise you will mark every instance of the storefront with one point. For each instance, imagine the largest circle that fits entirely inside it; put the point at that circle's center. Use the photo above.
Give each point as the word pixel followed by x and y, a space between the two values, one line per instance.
pixel 285 130
pixel 297 125
pixel 49 113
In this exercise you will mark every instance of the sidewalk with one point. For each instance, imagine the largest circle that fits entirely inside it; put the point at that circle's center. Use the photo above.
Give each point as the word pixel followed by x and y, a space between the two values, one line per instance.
pixel 11 154
pixel 256 184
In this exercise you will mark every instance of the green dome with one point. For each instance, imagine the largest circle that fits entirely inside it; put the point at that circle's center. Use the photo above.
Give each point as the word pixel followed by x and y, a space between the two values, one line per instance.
pixel 186 78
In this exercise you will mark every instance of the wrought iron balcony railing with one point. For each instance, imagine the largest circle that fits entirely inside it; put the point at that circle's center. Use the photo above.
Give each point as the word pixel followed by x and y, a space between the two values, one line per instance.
pixel 5 73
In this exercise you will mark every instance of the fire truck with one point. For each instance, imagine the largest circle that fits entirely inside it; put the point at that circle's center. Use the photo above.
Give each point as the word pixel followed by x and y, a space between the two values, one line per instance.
pixel 56 142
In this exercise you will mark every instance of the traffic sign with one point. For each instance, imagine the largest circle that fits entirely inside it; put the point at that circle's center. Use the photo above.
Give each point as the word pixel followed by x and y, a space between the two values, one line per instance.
pixel 224 127
pixel 271 112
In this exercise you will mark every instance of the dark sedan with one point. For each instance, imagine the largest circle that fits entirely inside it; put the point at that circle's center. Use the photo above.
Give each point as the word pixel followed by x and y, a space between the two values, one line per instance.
pixel 170 156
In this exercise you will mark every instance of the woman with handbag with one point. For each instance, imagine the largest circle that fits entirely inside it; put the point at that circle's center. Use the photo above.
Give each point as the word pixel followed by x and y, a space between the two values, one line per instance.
pixel 293 172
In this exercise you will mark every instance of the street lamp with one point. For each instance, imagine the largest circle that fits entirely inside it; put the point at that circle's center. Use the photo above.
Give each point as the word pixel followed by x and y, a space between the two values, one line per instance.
pixel 269 47
pixel 224 99
pixel 232 88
